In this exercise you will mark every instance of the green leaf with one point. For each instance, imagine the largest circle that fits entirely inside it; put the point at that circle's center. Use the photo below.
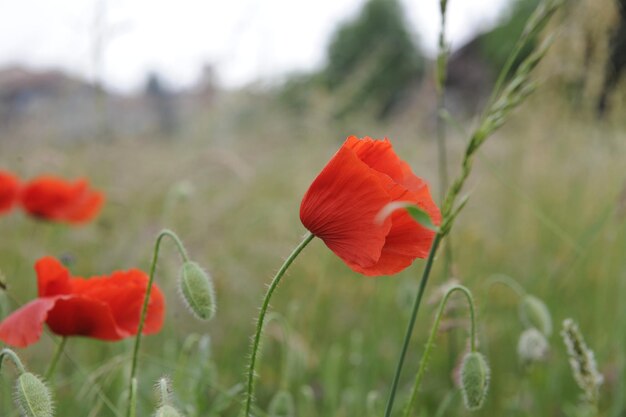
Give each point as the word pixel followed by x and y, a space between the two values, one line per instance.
pixel 414 211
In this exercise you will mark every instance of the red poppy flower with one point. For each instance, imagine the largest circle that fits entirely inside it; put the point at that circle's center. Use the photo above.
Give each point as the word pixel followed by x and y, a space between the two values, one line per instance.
pixel 105 308
pixel 343 201
pixel 9 191
pixel 53 198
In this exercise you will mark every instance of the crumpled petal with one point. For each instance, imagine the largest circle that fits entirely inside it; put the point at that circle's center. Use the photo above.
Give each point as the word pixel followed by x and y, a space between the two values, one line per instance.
pixel 106 308
pixel 340 208
pixel 123 292
pixel 404 240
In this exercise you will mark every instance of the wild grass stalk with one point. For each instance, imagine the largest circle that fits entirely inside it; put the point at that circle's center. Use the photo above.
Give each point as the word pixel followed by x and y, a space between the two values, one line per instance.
pixel 505 98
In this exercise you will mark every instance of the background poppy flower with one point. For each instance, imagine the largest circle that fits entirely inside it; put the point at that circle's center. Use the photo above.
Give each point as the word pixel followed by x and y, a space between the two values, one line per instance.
pixel 105 308
pixel 342 203
pixel 52 198
pixel 9 191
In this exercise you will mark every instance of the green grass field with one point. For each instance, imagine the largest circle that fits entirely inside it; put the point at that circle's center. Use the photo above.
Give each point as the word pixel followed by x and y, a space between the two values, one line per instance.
pixel 547 207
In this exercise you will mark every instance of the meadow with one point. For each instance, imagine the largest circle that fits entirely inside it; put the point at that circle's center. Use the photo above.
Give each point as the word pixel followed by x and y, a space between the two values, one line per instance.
pixel 546 208
pixel 545 213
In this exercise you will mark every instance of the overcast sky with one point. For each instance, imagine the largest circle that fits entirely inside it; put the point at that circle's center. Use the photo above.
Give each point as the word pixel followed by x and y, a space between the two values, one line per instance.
pixel 245 40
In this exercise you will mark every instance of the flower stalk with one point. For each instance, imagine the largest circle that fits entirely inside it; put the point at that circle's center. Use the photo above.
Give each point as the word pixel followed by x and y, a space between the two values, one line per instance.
pixel 433 333
pixel 249 396
pixel 144 312
pixel 55 359
pixel 505 98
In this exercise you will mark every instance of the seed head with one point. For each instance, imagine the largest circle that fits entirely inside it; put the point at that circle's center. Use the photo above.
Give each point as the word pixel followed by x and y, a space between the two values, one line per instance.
pixel 474 380
pixel 196 287
pixel 32 397
pixel 532 346
pixel 582 361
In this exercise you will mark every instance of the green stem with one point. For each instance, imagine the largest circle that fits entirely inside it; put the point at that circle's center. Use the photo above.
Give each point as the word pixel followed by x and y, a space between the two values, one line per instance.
pixel 144 309
pixel 507 281
pixel 13 356
pixel 55 359
pixel 259 326
pixel 409 330
pixel 433 333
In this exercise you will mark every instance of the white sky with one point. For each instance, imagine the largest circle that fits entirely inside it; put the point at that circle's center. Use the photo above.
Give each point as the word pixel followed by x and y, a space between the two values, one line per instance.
pixel 245 40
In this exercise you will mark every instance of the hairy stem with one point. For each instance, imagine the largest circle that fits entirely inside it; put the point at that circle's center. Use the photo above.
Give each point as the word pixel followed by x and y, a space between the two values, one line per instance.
pixel 259 326
pixel 14 358
pixel 433 333
pixel 144 309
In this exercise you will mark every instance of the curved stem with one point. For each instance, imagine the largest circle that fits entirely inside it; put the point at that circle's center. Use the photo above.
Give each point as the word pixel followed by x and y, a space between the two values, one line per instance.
pixel 409 330
pixel 55 359
pixel 259 326
pixel 433 333
pixel 144 309
pixel 507 281
pixel 13 356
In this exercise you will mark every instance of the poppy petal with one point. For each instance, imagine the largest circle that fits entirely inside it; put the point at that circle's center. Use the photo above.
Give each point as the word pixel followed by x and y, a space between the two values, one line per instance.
pixel 9 191
pixel 25 325
pixel 407 239
pixel 75 315
pixel 53 198
pixel 123 292
pixel 340 208
pixel 52 277
pixel 86 208
pixel 380 156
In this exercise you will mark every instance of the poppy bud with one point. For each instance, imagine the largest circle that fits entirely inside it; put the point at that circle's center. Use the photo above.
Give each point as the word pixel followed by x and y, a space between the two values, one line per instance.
pixel 282 405
pixel 532 346
pixel 534 313
pixel 32 397
pixel 196 287
pixel 474 380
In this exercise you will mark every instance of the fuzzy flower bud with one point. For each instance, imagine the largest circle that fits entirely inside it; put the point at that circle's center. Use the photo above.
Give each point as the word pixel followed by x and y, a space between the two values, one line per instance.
pixel 534 313
pixel 582 361
pixel 474 380
pixel 32 397
pixel 532 346
pixel 196 287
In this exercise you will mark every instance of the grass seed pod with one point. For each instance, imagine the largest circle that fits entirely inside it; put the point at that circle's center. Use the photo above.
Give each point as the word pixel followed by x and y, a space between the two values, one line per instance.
pixel 32 397
pixel 196 286
pixel 474 380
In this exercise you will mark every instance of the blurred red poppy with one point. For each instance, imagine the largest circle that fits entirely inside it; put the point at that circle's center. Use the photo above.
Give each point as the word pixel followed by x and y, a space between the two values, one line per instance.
pixel 52 198
pixel 344 200
pixel 9 191
pixel 106 307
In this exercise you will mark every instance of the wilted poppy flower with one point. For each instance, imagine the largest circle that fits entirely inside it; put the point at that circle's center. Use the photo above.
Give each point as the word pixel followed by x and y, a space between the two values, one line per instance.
pixel 343 202
pixel 9 190
pixel 52 198
pixel 106 307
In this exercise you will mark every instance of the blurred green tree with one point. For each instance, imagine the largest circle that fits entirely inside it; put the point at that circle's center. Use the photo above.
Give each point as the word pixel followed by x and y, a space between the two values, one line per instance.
pixel 496 44
pixel 373 59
